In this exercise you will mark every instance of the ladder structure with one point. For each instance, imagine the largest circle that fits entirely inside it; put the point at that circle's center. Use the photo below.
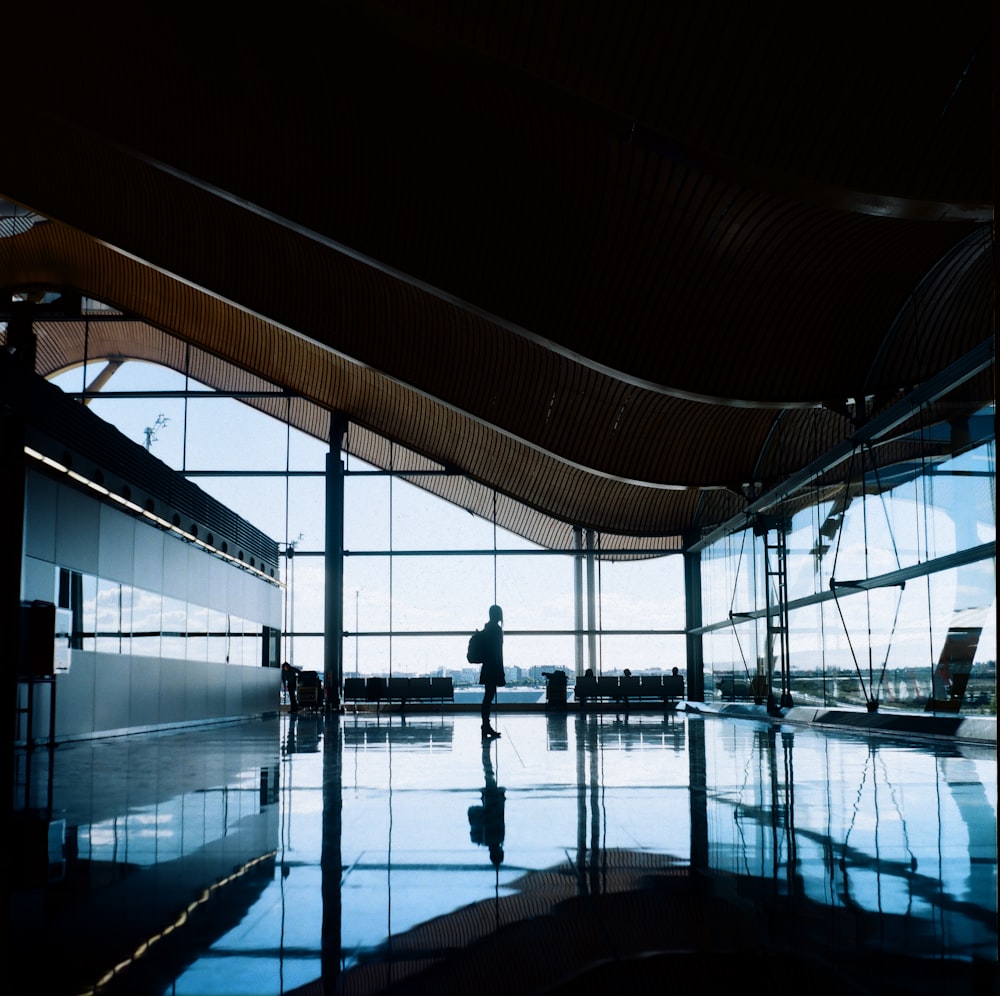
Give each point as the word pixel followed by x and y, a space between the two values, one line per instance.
pixel 774 532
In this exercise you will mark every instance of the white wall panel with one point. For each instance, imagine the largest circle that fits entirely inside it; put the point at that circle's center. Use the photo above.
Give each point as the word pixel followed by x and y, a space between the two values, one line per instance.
pixel 175 567
pixel 77 531
pixel 115 559
pixel 148 558
pixel 112 692
pixel 199 574
pixel 144 691
pixel 103 691
pixel 40 502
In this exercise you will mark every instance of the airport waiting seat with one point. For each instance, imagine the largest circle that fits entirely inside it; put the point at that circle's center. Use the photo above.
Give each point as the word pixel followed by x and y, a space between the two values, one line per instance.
pixel 651 686
pixel 443 689
pixel 420 690
pixel 628 686
pixel 585 688
pixel 398 690
pixel 354 690
pixel 635 688
pixel 607 687
pixel 673 686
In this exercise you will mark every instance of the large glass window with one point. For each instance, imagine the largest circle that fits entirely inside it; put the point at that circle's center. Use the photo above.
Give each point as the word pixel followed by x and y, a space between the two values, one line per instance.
pixel 887 579
pixel 891 588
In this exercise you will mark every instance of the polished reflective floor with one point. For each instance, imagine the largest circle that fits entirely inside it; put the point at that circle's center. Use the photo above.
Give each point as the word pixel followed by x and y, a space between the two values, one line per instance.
pixel 363 854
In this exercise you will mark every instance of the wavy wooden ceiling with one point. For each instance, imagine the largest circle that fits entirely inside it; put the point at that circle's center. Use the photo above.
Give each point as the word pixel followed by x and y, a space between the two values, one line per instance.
pixel 613 262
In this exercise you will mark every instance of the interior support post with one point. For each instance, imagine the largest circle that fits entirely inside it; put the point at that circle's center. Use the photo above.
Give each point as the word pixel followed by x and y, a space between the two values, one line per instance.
pixel 592 596
pixel 333 641
pixel 695 663
pixel 578 597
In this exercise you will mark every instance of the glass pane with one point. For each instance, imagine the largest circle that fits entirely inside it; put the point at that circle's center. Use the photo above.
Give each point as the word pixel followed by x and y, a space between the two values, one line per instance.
pixel 368 656
pixel 306 652
pixel 237 642
pixel 111 618
pixel 422 521
pixel 306 514
pixel 526 658
pixel 156 424
pixel 259 500
pixel 147 610
pixel 305 586
pixel 87 625
pixel 225 434
pixel 535 592
pixel 366 588
pixel 197 639
pixel 440 593
pixel 642 594
pixel 366 513
pixel 305 452
pixel 133 375
pixel 642 654
pixel 174 628
pixel 218 639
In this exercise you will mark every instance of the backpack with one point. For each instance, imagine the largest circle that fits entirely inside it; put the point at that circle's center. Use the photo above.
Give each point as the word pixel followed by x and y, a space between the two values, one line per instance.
pixel 479 647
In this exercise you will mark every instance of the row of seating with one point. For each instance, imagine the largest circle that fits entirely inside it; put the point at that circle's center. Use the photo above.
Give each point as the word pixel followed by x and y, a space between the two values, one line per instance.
pixel 645 687
pixel 628 688
pixel 401 690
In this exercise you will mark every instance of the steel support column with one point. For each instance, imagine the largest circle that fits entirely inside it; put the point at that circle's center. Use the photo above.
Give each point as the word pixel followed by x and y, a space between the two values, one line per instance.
pixel 592 596
pixel 692 623
pixel 333 629
pixel 578 597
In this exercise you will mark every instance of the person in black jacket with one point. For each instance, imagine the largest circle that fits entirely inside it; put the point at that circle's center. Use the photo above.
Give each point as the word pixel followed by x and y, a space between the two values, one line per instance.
pixel 491 674
pixel 289 678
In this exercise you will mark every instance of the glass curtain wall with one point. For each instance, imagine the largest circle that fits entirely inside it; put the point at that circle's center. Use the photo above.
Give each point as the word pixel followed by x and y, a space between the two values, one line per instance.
pixel 891 590
pixel 889 581
pixel 419 574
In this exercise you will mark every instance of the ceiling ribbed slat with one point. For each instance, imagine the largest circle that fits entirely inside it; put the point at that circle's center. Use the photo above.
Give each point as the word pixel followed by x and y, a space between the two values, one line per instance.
pixel 587 256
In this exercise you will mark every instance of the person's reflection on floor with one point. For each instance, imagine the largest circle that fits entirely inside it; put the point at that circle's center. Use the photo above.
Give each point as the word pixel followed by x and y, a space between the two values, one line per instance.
pixel 291 745
pixel 486 822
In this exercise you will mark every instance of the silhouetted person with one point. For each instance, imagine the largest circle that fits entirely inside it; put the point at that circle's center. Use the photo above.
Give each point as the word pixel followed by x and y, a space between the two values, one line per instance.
pixel 289 678
pixel 676 685
pixel 491 674
pixel 486 822
pixel 627 674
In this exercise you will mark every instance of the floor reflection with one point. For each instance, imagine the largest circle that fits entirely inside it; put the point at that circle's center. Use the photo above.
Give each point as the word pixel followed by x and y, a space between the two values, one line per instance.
pixel 354 854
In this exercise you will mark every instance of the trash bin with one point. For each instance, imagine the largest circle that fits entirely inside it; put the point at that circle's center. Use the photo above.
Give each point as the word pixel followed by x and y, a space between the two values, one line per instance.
pixel 555 689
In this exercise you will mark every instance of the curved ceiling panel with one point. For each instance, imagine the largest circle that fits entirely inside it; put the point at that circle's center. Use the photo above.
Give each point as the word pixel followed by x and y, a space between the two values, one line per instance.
pixel 615 265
